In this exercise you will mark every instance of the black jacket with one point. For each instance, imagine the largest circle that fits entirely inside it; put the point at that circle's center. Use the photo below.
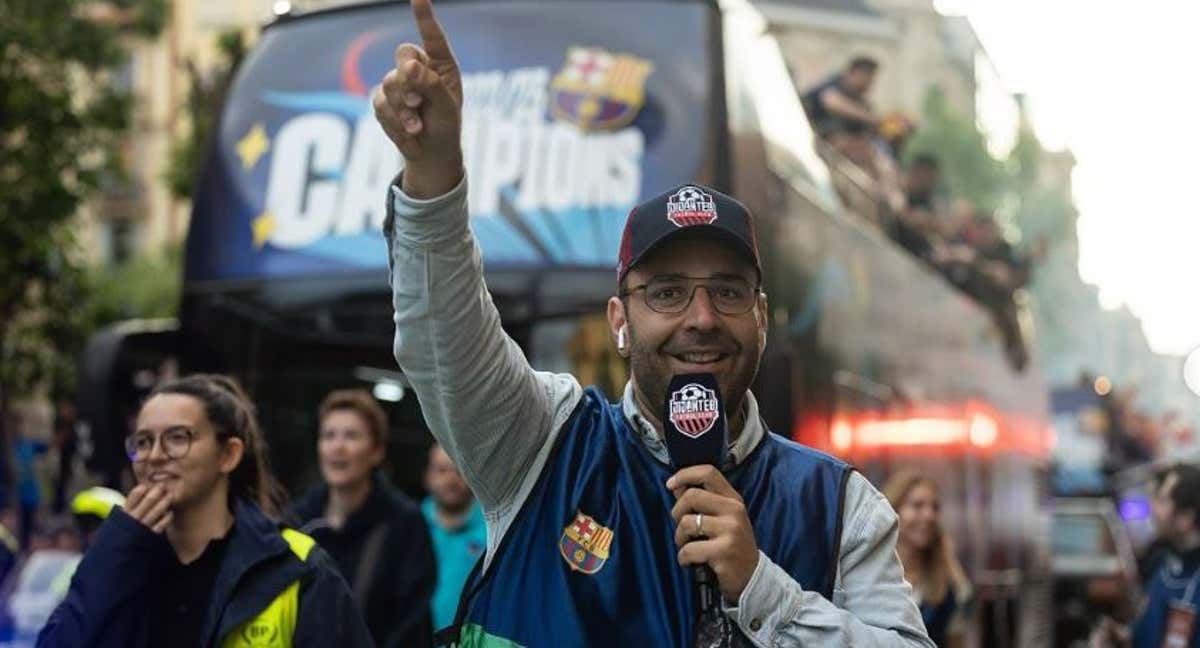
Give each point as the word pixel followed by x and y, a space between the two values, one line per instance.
pixel 402 578
pixel 115 584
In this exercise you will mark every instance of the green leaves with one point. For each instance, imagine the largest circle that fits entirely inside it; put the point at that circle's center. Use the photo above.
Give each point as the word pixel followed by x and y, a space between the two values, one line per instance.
pixel 63 112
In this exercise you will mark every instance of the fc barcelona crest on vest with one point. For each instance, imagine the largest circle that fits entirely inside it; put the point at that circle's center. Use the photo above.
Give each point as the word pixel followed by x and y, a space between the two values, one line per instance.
pixel 584 544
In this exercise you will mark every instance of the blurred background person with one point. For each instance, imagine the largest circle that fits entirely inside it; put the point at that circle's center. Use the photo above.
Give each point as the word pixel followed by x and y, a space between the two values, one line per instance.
pixel 1168 615
pixel 45 575
pixel 66 442
pixel 841 114
pixel 197 534
pixel 458 529
pixel 26 451
pixel 1156 552
pixel 91 507
pixel 940 586
pixel 374 532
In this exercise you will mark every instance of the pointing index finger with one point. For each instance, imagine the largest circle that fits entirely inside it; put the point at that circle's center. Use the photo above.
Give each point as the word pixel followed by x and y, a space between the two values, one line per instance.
pixel 432 37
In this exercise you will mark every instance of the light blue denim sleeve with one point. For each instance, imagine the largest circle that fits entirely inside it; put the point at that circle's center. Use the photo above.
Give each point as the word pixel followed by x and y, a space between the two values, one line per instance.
pixel 872 603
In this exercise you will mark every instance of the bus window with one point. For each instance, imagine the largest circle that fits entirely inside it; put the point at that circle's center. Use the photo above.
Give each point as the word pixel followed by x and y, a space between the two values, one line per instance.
pixel 583 347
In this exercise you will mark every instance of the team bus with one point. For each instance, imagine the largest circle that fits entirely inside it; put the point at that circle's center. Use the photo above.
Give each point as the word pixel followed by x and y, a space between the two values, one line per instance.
pixel 574 112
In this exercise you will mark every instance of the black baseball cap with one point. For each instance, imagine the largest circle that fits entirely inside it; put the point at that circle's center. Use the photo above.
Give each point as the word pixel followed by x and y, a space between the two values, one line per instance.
pixel 686 208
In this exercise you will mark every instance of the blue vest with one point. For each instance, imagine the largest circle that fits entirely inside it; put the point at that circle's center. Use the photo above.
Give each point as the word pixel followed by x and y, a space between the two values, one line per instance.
pixel 1173 584
pixel 591 557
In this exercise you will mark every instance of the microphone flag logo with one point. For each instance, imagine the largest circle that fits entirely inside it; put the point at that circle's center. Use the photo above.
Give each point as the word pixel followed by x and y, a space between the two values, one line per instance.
pixel 694 409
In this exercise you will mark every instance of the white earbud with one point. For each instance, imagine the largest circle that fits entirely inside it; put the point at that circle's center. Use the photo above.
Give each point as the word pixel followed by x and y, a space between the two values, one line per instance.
pixel 621 339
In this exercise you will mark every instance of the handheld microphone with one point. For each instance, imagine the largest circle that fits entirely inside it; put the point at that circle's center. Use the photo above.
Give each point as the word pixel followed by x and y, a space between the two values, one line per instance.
pixel 696 433
pixel 694 426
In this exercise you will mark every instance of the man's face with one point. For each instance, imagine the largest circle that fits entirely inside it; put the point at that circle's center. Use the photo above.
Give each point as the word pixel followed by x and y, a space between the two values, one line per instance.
pixel 858 81
pixel 445 483
pixel 1172 525
pixel 923 179
pixel 698 340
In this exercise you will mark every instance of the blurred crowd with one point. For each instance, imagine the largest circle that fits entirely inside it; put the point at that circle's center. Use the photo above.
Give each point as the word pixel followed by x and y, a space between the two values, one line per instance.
pixel 404 561
pixel 903 193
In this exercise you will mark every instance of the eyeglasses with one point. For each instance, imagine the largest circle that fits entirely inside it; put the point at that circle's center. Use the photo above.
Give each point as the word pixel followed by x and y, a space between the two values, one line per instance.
pixel 673 294
pixel 175 444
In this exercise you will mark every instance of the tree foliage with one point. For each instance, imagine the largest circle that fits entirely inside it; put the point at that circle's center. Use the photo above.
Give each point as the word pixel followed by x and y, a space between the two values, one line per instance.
pixel 206 95
pixel 968 168
pixel 63 110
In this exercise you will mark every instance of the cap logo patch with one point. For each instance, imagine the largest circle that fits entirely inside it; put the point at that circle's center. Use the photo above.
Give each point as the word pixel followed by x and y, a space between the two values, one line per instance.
pixel 693 409
pixel 691 206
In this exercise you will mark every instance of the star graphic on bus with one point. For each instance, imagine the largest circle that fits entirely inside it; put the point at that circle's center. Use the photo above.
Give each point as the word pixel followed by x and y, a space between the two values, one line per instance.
pixel 253 146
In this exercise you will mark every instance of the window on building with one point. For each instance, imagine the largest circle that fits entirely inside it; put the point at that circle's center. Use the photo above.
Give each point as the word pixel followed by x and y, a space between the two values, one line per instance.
pixel 121 241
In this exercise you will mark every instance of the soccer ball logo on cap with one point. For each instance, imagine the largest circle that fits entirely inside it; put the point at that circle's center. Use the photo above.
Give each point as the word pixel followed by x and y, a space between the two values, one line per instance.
pixel 691 206
pixel 693 409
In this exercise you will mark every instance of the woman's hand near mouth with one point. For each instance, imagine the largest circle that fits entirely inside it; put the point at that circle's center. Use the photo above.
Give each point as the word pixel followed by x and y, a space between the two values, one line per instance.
pixel 150 505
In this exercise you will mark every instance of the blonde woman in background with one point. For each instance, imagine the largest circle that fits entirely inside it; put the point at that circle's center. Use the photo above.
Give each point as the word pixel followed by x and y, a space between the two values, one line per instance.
pixel 940 587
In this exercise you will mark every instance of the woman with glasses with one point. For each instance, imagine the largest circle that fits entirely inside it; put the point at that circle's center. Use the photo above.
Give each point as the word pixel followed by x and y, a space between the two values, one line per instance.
pixel 195 557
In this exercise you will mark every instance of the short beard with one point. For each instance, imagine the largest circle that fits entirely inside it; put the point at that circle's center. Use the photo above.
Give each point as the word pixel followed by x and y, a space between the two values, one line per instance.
pixel 653 383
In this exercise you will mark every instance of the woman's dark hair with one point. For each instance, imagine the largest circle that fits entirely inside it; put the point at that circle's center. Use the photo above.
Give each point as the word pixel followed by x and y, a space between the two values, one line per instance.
pixel 231 414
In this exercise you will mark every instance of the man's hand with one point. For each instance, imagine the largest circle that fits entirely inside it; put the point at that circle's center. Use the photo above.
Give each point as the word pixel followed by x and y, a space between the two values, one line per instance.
pixel 150 505
pixel 419 106
pixel 727 544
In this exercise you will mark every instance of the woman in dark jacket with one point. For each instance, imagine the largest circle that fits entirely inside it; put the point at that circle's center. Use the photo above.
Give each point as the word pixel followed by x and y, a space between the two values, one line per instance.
pixel 194 559
pixel 374 533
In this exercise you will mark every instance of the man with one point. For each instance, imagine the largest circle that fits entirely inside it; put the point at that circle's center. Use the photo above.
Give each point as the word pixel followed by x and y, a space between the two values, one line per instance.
pixel 1160 548
pixel 1169 614
pixel 457 528
pixel 1173 596
pixel 840 113
pixel 921 181
pixel 589 529
pixel 839 104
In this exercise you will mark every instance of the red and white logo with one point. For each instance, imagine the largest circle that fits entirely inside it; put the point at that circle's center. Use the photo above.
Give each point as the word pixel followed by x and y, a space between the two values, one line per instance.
pixel 691 206
pixel 693 409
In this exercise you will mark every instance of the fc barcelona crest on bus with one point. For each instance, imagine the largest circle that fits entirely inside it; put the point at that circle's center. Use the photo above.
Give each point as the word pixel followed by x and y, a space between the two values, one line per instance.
pixel 584 544
pixel 694 409
pixel 599 90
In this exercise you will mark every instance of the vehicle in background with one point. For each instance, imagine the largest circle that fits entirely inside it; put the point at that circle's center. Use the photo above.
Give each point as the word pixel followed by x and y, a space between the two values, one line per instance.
pixel 571 119
pixel 1094 567
pixel 40 585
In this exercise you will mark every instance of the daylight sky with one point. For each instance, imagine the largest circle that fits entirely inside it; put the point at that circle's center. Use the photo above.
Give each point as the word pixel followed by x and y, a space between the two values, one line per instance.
pixel 1116 82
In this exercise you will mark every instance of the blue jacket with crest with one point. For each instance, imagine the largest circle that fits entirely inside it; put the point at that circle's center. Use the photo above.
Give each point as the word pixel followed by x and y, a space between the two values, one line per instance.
pixel 606 573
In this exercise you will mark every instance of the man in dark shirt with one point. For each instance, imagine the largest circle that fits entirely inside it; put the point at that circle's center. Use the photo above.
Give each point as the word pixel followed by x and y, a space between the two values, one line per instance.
pixel 1169 615
pixel 838 105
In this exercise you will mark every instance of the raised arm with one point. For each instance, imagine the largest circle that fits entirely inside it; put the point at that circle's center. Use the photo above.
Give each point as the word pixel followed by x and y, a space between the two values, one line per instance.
pixel 492 413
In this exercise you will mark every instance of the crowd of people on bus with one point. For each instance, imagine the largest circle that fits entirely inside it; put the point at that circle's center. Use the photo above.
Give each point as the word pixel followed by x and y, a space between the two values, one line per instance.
pixel 950 234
